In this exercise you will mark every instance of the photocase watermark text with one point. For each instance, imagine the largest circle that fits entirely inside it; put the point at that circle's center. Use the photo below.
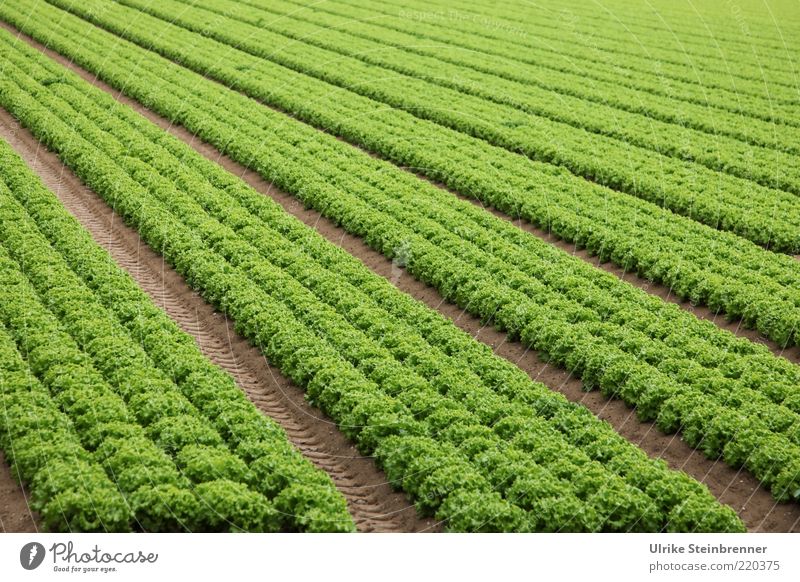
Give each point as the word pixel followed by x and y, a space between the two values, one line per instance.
pixel 65 553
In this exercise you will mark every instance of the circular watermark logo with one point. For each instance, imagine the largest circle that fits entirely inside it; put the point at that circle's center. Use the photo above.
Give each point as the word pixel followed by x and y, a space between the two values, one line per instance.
pixel 31 555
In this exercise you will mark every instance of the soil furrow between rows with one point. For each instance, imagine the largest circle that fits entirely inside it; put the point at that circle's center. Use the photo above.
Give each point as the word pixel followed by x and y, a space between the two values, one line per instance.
pixel 15 513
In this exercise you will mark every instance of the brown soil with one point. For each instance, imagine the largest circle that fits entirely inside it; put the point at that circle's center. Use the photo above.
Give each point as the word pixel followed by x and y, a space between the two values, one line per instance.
pixel 15 514
pixel 372 502
pixel 739 489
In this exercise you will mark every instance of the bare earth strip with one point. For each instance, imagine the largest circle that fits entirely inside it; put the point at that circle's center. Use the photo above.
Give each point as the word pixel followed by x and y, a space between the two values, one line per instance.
pixel 737 488
pixel 15 514
pixel 371 500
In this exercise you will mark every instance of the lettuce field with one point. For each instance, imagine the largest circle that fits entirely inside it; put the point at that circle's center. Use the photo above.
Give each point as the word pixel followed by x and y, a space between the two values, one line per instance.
pixel 403 266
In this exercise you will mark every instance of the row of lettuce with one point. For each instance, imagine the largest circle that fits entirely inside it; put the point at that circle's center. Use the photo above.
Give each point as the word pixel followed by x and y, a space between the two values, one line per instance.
pixel 111 414
pixel 763 79
pixel 326 25
pixel 724 272
pixel 728 396
pixel 468 436
pixel 540 128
